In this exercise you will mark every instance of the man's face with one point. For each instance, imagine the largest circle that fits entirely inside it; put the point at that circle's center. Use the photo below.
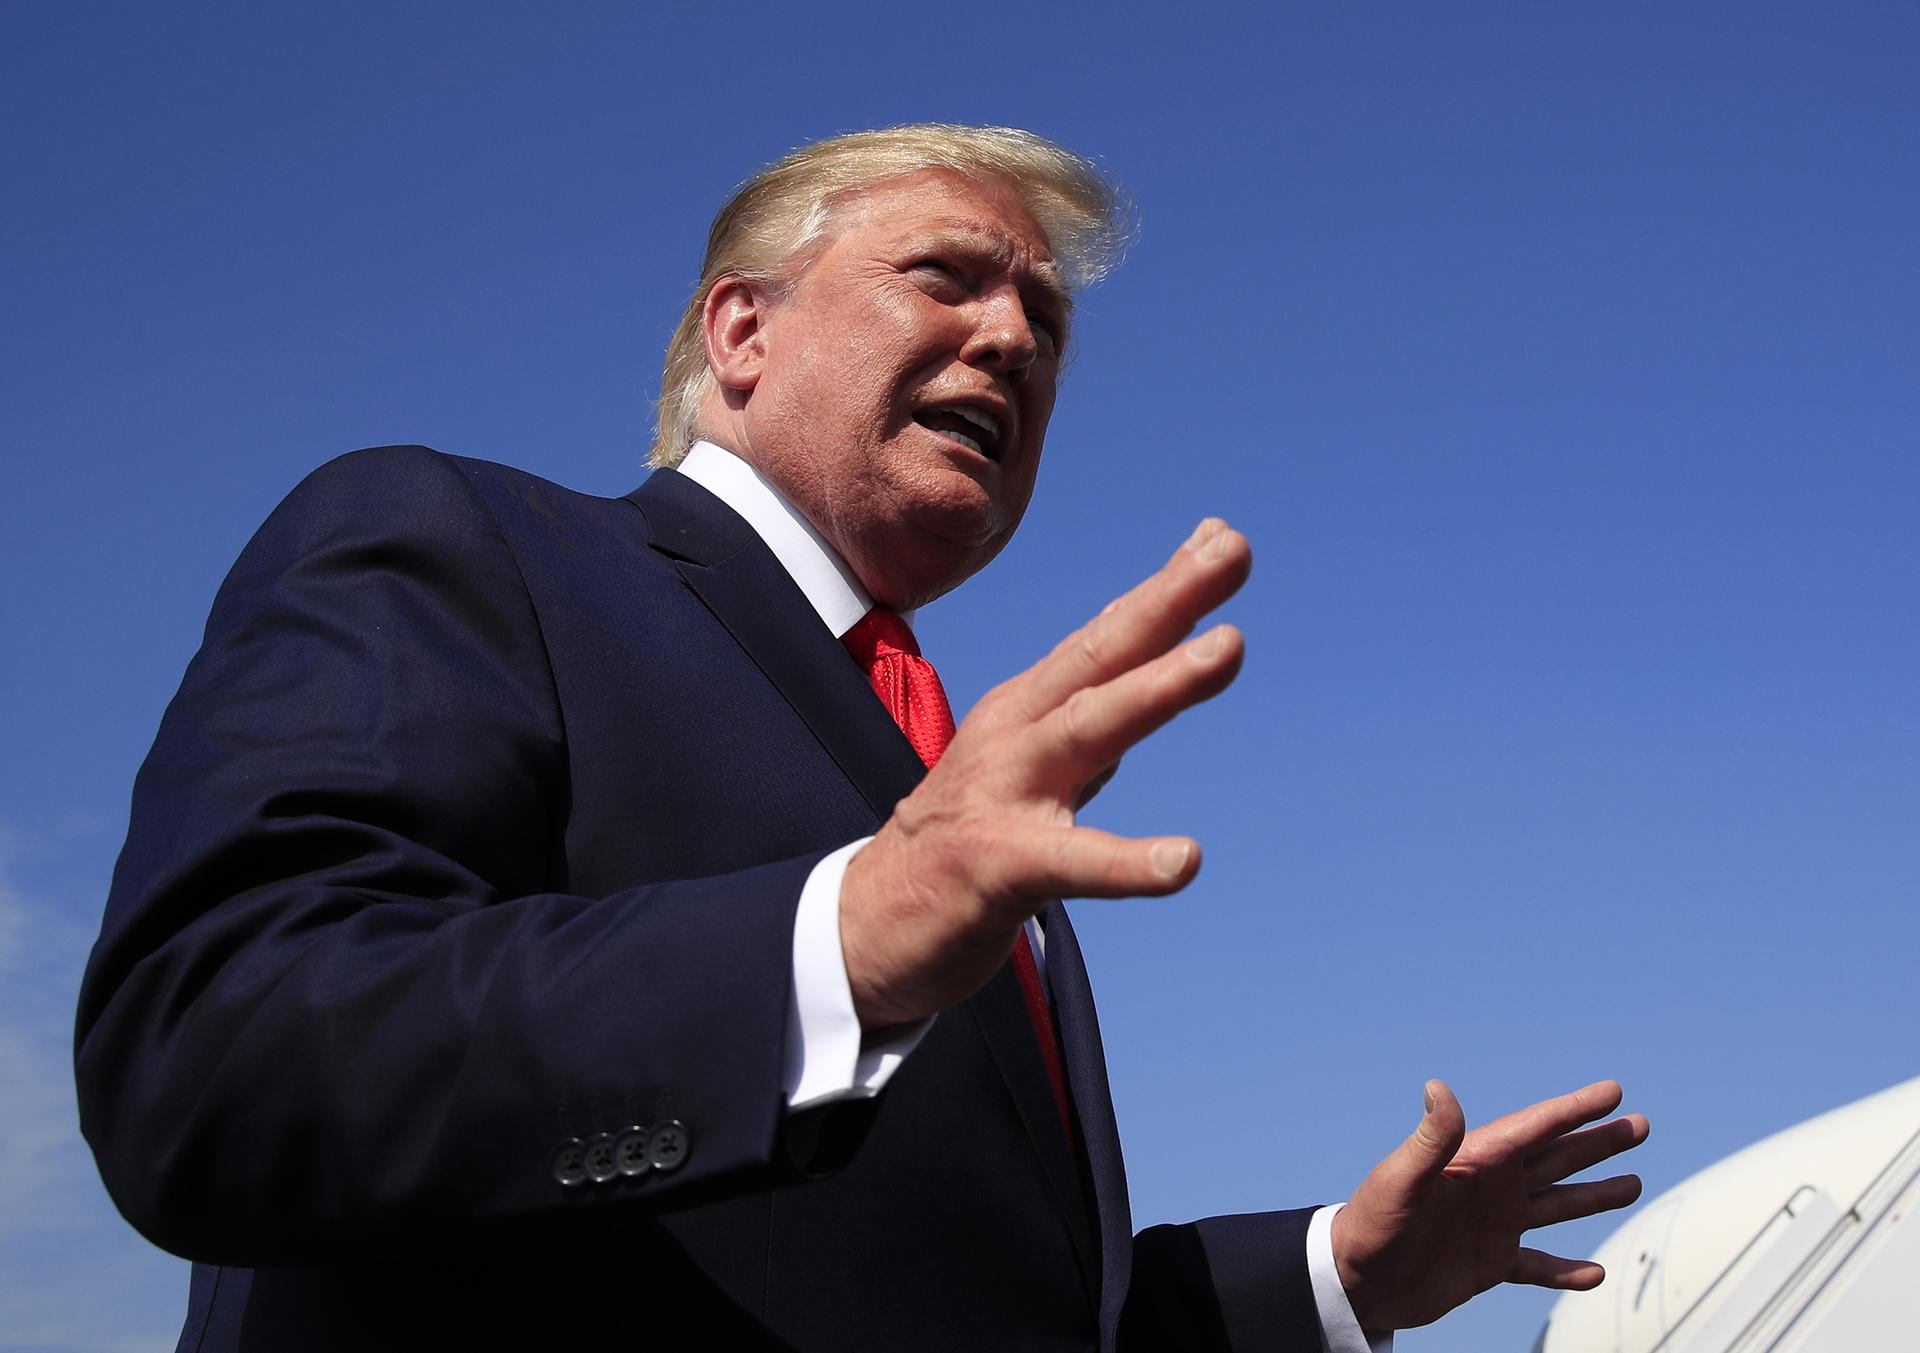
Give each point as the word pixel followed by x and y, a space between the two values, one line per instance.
pixel 908 377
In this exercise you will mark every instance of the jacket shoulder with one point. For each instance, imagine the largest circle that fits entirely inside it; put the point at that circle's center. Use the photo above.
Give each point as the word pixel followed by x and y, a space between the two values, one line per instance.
pixel 400 469
pixel 421 493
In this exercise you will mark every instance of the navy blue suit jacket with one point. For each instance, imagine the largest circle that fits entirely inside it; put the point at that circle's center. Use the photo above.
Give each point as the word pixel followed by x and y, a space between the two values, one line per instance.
pixel 477 827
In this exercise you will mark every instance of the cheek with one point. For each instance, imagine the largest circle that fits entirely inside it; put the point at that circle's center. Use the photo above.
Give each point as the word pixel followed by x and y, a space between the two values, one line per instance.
pixel 877 365
pixel 1040 413
pixel 885 326
pixel 1043 386
pixel 827 391
pixel 1036 411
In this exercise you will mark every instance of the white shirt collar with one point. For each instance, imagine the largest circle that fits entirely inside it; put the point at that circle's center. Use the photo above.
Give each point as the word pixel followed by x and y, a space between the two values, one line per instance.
pixel 815 566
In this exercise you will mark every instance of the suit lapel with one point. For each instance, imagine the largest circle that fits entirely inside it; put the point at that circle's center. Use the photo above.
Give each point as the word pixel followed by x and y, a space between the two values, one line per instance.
pixel 1000 1009
pixel 738 579
pixel 1086 1060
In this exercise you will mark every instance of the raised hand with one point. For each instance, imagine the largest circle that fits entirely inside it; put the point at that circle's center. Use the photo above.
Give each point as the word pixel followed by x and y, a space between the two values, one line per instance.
pixel 930 908
pixel 1440 1219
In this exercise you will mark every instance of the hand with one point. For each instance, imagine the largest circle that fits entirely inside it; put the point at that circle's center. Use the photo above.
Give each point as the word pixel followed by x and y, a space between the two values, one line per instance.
pixel 1439 1220
pixel 931 907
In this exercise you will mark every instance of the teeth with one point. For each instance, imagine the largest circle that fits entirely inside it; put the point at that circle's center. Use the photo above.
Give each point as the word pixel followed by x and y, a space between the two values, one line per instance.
pixel 980 420
pixel 945 415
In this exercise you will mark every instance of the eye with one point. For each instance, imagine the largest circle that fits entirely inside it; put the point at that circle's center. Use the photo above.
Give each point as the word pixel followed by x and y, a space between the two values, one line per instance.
pixel 1046 324
pixel 943 269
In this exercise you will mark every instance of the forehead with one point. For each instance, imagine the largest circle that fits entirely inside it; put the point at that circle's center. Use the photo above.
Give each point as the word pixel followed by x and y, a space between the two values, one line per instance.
pixel 937 206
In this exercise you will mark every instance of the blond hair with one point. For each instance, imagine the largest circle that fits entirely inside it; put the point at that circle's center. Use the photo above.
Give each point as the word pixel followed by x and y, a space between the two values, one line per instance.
pixel 779 214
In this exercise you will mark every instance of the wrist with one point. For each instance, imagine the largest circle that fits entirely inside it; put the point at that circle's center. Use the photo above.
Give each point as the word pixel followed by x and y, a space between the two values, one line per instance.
pixel 873 1003
pixel 1340 1234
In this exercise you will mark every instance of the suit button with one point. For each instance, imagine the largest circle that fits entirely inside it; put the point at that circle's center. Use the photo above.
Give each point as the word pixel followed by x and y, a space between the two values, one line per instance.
pixel 668 1145
pixel 600 1163
pixel 630 1152
pixel 570 1163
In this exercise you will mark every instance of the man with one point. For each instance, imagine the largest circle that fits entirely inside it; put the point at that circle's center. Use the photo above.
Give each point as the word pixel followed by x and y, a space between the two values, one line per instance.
pixel 532 930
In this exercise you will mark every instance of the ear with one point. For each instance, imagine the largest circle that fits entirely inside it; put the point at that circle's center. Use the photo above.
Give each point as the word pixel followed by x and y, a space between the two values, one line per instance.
pixel 733 322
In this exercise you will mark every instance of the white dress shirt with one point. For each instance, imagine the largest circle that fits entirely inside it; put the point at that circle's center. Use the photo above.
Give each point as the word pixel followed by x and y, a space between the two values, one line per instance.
pixel 827 1056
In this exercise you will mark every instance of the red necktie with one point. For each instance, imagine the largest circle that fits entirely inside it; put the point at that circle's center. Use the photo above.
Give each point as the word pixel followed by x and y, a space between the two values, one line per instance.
pixel 910 689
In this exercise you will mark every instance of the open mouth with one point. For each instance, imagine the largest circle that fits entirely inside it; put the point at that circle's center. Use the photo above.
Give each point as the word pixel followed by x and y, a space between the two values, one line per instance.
pixel 975 429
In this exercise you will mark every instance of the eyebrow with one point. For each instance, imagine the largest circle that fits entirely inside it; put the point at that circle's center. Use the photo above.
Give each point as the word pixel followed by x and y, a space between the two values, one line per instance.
pixel 1048 275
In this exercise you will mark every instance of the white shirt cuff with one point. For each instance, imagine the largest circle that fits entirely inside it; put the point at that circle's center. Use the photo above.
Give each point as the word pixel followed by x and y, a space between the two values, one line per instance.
pixel 828 1058
pixel 1339 1331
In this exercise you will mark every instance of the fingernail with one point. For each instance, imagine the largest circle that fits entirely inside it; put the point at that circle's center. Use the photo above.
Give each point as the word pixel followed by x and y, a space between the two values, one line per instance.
pixel 1201 532
pixel 1426 1097
pixel 1170 857
pixel 1207 647
pixel 1216 548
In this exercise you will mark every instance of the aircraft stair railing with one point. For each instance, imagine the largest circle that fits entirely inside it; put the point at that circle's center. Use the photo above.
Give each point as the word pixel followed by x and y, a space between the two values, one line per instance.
pixel 1721 1312
pixel 1820 1286
pixel 1759 1303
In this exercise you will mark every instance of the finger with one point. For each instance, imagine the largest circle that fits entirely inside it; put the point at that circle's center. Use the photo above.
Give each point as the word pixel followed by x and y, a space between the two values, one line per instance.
pixel 1539 1123
pixel 1578 1151
pixel 1146 621
pixel 1434 1142
pixel 1040 864
pixel 1568 1202
pixel 1095 727
pixel 1540 1269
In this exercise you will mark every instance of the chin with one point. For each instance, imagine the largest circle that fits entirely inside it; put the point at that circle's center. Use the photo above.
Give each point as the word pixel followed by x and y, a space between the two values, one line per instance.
pixel 914 574
pixel 939 541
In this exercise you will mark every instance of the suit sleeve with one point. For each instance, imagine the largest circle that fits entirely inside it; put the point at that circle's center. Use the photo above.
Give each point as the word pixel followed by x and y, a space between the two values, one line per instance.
pixel 1234 1284
pixel 339 1003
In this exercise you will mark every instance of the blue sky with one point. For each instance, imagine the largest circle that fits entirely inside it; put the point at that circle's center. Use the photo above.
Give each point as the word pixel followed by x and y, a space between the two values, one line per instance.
pixel 1559 361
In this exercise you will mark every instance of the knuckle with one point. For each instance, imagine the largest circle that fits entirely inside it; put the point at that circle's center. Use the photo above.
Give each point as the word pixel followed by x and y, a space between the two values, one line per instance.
pixel 1009 706
pixel 1078 721
pixel 1087 646
pixel 1000 693
pixel 986 711
pixel 1173 674
pixel 915 813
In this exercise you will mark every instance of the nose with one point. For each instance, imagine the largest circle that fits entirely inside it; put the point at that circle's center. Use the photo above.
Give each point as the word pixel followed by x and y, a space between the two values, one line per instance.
pixel 1002 340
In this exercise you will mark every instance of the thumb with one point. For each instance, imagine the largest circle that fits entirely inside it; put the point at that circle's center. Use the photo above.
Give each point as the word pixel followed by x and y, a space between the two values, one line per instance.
pixel 1442 1128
